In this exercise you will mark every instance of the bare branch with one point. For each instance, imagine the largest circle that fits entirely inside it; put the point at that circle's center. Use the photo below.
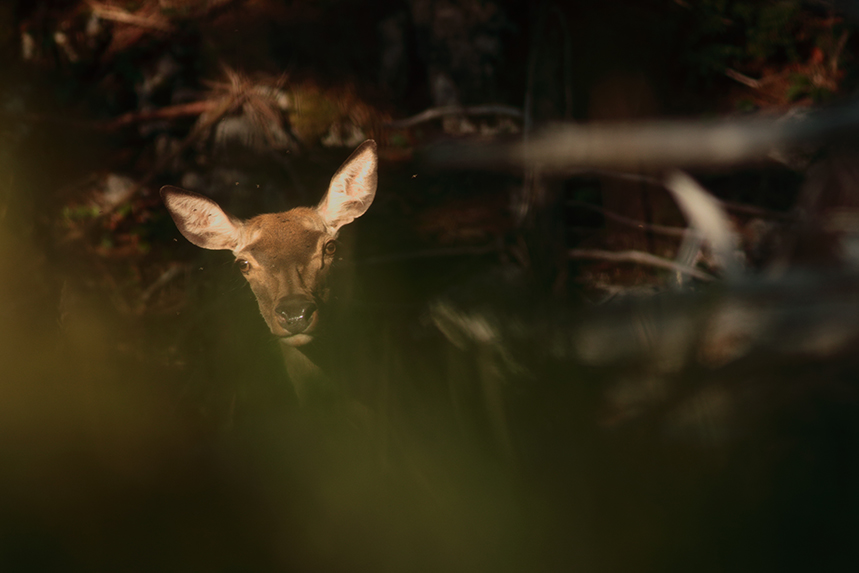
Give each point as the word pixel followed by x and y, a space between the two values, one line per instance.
pixel 191 109
pixel 743 79
pixel 654 145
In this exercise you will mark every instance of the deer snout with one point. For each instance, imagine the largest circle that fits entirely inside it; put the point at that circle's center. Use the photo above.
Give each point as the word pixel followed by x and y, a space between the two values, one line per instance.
pixel 295 313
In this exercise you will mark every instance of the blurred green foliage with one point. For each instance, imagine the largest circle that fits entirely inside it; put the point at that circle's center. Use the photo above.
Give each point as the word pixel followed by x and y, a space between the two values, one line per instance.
pixel 79 212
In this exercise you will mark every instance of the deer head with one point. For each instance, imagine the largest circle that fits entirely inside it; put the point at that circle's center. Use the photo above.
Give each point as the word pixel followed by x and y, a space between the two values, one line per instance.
pixel 286 257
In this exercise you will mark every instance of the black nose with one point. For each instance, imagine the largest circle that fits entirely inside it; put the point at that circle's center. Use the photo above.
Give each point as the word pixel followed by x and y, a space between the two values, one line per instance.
pixel 295 313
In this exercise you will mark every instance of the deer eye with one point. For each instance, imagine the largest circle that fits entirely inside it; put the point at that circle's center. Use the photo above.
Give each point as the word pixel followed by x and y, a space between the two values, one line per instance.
pixel 330 247
pixel 244 265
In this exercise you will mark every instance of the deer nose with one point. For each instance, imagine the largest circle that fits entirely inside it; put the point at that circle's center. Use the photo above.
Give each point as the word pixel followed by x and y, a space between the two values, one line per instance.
pixel 295 313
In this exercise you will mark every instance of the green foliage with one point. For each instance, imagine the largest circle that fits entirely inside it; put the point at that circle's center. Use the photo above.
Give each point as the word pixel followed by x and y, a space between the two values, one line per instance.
pixel 821 94
pixel 745 105
pixel 124 210
pixel 800 85
pixel 80 212
pixel 398 140
pixel 773 29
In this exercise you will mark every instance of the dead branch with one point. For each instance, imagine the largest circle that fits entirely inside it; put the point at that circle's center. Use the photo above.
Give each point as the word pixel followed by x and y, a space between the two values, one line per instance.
pixel 743 79
pixel 191 109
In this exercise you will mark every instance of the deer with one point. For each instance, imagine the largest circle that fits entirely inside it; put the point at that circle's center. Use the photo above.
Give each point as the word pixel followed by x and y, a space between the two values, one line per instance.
pixel 286 257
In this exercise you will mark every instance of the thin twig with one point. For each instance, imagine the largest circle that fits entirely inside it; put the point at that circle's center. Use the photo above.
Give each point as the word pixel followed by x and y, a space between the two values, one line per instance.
pixel 836 54
pixel 530 178
pixel 191 109
pixel 567 60
pixel 756 211
pixel 166 277
pixel 127 119
pixel 639 258
pixel 658 229
pixel 439 112
pixel 743 79
pixel 634 177
pixel 429 253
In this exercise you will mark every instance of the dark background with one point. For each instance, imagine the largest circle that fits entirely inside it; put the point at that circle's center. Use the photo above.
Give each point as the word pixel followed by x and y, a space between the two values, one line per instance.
pixel 147 423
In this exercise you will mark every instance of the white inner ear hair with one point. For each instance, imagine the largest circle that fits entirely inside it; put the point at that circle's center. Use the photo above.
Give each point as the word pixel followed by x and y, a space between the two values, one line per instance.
pixel 208 221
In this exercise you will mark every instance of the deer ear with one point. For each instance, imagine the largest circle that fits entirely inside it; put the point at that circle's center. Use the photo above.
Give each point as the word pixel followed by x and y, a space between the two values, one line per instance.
pixel 201 220
pixel 352 188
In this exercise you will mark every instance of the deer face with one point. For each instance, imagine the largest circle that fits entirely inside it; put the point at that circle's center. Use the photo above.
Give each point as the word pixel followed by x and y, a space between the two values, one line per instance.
pixel 286 257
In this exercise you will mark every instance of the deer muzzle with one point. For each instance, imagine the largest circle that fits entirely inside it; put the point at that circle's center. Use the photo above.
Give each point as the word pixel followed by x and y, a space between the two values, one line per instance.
pixel 296 314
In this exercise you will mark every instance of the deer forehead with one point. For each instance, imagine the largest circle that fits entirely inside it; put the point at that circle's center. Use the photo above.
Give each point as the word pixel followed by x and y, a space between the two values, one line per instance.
pixel 288 238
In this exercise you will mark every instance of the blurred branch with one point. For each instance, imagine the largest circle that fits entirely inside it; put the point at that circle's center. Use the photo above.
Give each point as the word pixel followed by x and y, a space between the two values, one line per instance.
pixel 439 112
pixel 154 17
pixel 192 109
pixel 155 22
pixel 639 258
pixel 705 215
pixel 172 272
pixel 756 211
pixel 654 144
pixel 743 79
pixel 839 48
